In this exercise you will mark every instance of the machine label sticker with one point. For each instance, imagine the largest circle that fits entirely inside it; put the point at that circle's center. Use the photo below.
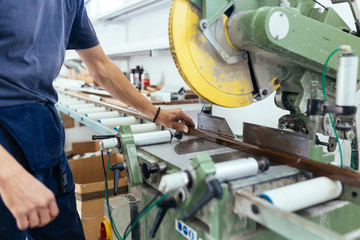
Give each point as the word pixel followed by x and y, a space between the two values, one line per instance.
pixel 185 230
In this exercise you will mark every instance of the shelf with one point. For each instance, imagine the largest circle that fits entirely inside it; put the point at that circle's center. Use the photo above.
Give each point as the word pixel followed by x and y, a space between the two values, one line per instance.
pixel 126 49
pixel 129 8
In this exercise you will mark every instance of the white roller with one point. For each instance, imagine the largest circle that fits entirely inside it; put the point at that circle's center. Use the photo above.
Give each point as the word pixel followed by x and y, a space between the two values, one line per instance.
pixel 95 97
pixel 346 80
pixel 71 101
pixel 235 169
pixel 145 127
pixel 148 138
pixel 172 182
pixel 141 128
pixel 97 116
pixel 91 110
pixel 304 194
pixel 80 105
pixel 113 122
pixel 87 105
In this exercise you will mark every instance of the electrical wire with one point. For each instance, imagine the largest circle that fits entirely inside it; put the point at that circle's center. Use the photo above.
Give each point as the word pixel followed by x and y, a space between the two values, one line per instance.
pixel 320 4
pixel 103 162
pixel 107 196
pixel 148 205
pixel 147 208
pixel 325 97
pixel 144 212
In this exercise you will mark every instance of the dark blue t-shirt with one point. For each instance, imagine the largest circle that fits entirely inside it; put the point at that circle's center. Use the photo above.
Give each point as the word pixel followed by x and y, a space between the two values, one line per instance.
pixel 34 35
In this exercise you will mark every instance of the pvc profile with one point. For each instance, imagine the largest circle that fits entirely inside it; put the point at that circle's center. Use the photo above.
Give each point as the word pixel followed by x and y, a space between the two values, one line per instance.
pixel 97 116
pixel 304 194
pixel 91 110
pixel 142 128
pixel 113 122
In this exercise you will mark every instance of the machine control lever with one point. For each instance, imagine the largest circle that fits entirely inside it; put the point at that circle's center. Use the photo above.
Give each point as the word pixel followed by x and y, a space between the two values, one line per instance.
pixel 164 205
pixel 147 170
pixel 117 167
pixel 100 137
pixel 213 190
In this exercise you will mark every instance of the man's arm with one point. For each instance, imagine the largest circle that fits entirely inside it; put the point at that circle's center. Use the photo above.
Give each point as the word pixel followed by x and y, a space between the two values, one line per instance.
pixel 29 201
pixel 109 76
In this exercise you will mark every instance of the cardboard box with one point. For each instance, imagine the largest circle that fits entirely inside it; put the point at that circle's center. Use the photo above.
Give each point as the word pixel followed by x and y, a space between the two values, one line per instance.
pixel 67 121
pixel 85 147
pixel 90 190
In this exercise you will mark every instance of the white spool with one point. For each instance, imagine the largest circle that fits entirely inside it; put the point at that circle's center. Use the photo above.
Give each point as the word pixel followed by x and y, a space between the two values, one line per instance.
pixel 240 168
pixel 91 110
pixel 97 116
pixel 304 194
pixel 148 138
pixel 346 81
pixel 172 182
pixel 119 121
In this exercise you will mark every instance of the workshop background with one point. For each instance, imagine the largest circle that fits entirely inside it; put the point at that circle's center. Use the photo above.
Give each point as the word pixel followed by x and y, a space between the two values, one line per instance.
pixel 135 33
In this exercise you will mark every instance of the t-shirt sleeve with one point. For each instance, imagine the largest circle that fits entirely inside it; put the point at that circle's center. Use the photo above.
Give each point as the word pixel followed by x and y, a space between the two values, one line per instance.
pixel 82 34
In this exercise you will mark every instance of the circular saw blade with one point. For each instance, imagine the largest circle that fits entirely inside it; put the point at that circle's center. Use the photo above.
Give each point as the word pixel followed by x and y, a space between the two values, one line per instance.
pixel 199 64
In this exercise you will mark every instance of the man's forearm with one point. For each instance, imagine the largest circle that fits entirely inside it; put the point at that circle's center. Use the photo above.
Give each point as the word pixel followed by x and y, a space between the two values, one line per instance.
pixel 109 76
pixel 115 82
pixel 7 165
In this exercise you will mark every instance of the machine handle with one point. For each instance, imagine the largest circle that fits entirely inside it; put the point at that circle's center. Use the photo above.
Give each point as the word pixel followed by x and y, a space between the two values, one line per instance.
pixel 117 167
pixel 164 205
pixel 214 190
pixel 147 170
pixel 100 137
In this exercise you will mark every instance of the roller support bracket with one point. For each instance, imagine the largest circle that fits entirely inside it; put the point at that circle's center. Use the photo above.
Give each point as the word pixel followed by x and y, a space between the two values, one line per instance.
pixel 133 171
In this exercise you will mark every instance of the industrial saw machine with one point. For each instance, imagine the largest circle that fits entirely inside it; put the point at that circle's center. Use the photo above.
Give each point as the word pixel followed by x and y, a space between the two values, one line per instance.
pixel 273 183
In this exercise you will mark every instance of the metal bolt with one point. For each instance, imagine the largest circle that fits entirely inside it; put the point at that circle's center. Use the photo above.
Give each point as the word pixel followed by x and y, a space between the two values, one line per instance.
pixel 265 92
pixel 204 25
pixel 354 194
pixel 276 82
pixel 245 56
pixel 350 134
pixel 255 209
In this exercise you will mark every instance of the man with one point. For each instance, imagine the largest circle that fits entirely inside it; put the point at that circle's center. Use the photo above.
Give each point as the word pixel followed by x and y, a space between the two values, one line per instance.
pixel 36 186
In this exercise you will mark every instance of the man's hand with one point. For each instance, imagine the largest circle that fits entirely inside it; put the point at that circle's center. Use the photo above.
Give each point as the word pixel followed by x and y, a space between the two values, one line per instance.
pixel 175 118
pixel 29 201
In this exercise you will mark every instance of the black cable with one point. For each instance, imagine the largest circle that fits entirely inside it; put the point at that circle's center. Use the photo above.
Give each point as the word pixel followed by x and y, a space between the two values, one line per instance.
pixel 107 191
pixel 320 4
pixel 148 205
pixel 103 162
